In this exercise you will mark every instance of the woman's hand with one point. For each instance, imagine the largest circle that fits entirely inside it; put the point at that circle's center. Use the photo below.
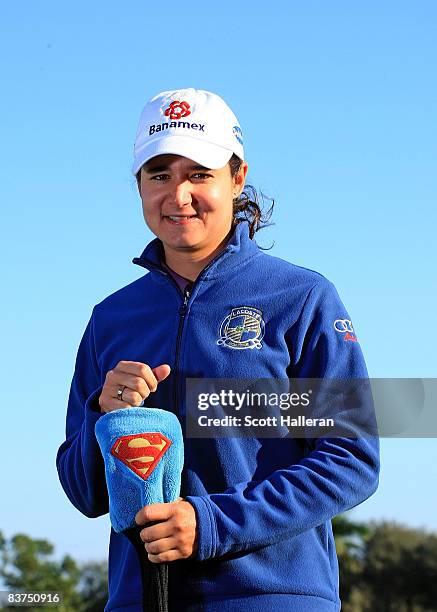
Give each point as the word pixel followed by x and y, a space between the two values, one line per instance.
pixel 174 537
pixel 138 381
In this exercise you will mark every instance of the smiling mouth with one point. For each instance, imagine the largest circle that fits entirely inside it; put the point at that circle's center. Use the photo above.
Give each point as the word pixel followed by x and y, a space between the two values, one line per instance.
pixel 181 219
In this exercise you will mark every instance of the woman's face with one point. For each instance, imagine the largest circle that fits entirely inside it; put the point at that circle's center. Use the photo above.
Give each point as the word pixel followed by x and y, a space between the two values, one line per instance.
pixel 189 207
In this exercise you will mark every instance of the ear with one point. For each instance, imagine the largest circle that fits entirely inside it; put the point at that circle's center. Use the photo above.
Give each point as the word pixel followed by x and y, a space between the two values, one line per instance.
pixel 138 177
pixel 240 179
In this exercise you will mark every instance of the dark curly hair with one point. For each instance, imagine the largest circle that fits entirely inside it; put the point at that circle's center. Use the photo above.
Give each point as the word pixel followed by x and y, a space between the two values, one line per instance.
pixel 247 206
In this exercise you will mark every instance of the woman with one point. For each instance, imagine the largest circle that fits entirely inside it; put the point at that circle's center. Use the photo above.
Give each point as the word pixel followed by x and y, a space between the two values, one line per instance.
pixel 252 530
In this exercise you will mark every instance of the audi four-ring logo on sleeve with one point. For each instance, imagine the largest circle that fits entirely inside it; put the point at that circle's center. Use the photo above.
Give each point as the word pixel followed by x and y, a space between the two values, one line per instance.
pixel 343 326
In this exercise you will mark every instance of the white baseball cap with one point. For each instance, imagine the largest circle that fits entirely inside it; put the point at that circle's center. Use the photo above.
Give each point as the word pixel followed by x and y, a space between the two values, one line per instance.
pixel 190 122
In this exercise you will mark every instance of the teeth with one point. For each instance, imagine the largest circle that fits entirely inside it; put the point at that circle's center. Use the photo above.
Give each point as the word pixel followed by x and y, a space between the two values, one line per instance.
pixel 179 218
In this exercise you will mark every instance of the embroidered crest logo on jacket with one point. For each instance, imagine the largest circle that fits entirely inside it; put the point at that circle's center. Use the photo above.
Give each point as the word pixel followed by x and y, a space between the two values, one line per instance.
pixel 243 328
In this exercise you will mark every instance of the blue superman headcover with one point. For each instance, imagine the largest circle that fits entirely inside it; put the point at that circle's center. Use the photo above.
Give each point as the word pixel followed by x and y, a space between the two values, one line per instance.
pixel 143 452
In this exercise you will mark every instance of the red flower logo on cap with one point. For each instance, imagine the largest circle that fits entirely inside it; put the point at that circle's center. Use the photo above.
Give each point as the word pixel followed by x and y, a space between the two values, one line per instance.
pixel 177 109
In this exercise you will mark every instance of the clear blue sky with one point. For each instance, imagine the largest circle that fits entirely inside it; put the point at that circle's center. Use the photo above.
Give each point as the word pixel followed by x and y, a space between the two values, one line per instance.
pixel 338 105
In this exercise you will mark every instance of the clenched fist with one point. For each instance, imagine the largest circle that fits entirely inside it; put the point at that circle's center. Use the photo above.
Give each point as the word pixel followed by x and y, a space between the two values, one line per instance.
pixel 136 379
pixel 175 534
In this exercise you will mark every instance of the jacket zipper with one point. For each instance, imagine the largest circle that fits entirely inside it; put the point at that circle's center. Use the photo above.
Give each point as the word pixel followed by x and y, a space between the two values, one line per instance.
pixel 182 314
pixel 182 317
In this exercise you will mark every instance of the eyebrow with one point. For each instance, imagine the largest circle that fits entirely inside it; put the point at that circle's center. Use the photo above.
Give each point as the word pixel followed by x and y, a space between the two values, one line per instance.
pixel 163 167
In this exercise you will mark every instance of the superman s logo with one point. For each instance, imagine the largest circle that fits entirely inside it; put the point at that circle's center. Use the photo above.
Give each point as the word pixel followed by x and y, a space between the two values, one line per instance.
pixel 141 452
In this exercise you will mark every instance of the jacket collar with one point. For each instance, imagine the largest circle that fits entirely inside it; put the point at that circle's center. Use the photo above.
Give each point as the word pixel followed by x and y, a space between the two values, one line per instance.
pixel 239 248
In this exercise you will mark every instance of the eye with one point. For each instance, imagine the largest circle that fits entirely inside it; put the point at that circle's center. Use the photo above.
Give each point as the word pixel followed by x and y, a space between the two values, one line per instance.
pixel 159 177
pixel 201 176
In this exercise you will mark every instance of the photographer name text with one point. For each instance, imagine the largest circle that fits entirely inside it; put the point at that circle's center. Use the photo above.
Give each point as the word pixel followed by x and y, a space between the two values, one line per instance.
pixel 269 421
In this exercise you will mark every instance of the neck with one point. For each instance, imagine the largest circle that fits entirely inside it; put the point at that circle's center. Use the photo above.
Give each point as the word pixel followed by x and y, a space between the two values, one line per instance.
pixel 190 264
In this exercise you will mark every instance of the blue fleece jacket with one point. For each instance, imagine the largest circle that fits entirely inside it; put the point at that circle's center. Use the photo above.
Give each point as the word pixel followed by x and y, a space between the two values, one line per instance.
pixel 263 506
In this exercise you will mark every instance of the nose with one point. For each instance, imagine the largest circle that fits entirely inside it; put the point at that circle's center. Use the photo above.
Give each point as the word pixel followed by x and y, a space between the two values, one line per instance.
pixel 182 193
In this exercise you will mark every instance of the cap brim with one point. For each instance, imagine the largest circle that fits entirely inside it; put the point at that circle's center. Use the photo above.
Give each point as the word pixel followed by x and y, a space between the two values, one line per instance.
pixel 203 153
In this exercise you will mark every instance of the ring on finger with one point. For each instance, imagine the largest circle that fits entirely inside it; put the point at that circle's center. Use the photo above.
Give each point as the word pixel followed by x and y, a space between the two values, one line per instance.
pixel 120 391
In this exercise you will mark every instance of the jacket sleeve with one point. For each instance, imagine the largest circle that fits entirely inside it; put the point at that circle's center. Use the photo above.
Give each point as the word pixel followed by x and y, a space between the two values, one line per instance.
pixel 336 475
pixel 79 461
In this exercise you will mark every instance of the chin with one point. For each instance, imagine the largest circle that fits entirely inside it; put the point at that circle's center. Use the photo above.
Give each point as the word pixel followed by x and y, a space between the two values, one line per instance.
pixel 181 244
pixel 187 246
pixel 186 239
